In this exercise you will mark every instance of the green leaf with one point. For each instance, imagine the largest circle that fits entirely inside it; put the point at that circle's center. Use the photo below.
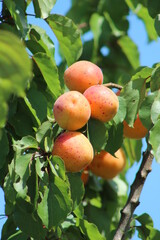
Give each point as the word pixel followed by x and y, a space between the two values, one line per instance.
pixel 153 7
pixel 9 228
pixel 157 24
pixel 15 66
pixel 56 203
pixel 155 109
pixel 57 167
pixel 43 131
pixel 154 140
pixel 40 42
pixel 148 21
pixel 133 149
pixel 4 146
pixel 120 115
pixel 96 23
pixel 3 113
pixel 90 230
pixel 18 235
pixel 116 32
pixel 154 234
pixel 115 138
pixel 155 79
pixel 38 103
pixel 29 223
pixel 145 219
pixel 130 50
pixel 77 188
pixel 26 142
pixel 49 72
pixel 42 8
pixel 22 165
pixel 68 36
pixel 97 133
pixel 131 96
pixel 18 15
pixel 145 110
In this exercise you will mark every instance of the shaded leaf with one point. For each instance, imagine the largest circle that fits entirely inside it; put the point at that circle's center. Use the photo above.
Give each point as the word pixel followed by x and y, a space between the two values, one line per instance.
pixel 68 36
pixel 56 203
pixel 132 100
pixel 133 149
pixel 38 103
pixel 77 188
pixel 153 7
pixel 145 110
pixel 155 79
pixel 120 115
pixel 115 138
pixel 97 133
pixel 29 223
pixel 4 146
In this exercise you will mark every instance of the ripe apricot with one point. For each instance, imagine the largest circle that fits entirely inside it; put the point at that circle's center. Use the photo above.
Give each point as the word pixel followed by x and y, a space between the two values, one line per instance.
pixel 137 132
pixel 75 150
pixel 85 176
pixel 81 75
pixel 107 166
pixel 103 102
pixel 71 110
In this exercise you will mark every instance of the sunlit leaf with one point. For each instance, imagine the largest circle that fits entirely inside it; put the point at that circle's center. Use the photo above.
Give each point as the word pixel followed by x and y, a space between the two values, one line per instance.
pixel 90 230
pixel 43 7
pixel 130 50
pixel 49 72
pixel 18 15
pixel 68 36
pixel 155 140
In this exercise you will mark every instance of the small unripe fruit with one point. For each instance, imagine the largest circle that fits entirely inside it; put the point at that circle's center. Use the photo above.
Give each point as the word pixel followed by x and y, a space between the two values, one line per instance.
pixel 103 102
pixel 82 75
pixel 71 110
pixel 75 150
pixel 107 166
pixel 138 131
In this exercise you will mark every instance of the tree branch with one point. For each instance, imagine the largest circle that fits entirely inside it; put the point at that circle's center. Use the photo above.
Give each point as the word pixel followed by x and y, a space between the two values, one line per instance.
pixel 113 85
pixel 133 199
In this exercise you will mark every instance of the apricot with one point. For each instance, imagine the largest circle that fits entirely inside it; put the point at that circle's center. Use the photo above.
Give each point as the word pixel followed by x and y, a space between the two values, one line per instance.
pixel 138 131
pixel 75 150
pixel 81 75
pixel 107 166
pixel 71 110
pixel 103 102
pixel 85 176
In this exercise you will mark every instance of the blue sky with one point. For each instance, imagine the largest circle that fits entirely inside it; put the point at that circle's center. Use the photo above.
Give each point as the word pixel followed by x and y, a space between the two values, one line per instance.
pixel 149 54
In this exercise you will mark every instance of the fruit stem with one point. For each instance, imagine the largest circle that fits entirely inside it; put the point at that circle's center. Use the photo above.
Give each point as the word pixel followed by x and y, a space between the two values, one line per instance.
pixel 113 85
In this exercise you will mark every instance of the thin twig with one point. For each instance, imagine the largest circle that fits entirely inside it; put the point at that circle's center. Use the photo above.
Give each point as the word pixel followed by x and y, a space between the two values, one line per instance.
pixel 113 85
pixel 133 199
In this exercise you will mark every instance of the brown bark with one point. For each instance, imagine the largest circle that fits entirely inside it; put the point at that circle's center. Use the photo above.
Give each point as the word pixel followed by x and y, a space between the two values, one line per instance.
pixel 133 198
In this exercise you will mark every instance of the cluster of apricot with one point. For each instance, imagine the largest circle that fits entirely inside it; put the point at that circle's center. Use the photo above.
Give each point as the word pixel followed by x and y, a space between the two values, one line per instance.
pixel 87 98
